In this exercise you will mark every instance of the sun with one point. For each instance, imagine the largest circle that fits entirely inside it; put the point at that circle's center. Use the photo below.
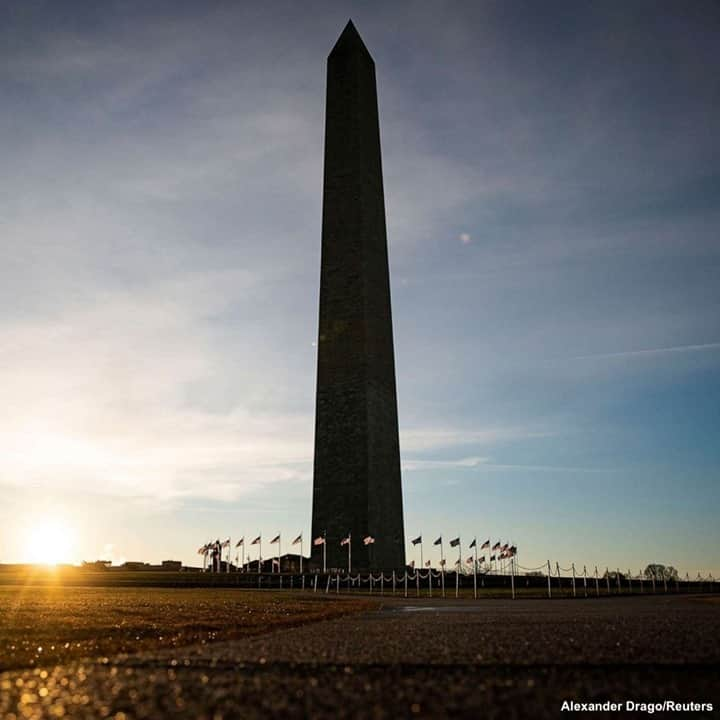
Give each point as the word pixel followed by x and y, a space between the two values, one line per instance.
pixel 49 542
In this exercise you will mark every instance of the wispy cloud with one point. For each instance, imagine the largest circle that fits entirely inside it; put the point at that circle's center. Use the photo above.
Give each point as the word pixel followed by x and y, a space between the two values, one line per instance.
pixel 652 351
pixel 468 462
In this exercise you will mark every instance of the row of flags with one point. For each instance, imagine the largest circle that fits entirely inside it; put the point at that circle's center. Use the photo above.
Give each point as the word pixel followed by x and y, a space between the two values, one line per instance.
pixel 502 551
pixel 505 550
pixel 321 540
pixel 258 540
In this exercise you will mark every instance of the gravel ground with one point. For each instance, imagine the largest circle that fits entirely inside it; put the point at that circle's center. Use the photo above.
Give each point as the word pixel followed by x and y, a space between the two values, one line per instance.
pixel 421 658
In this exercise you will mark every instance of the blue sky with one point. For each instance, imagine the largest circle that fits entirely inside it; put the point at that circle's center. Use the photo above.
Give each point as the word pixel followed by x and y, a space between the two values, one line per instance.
pixel 553 197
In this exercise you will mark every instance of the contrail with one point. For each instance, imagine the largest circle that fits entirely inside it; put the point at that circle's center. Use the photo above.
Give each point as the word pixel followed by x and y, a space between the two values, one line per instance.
pixel 653 351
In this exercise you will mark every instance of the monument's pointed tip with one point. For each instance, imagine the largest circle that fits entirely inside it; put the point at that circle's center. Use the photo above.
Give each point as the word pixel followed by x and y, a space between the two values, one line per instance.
pixel 349 38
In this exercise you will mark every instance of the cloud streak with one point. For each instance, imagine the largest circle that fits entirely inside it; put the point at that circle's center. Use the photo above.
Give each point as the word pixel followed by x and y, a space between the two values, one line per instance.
pixel 652 351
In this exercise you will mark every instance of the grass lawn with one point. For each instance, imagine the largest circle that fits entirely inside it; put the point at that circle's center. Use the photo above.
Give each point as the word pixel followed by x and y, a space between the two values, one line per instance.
pixel 43 625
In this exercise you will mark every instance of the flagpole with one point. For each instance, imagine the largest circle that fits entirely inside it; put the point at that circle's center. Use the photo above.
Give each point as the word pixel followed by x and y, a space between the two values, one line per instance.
pixel 301 555
pixel 442 567
pixel 229 551
pixel 325 552
pixel 279 552
pixel 260 554
pixel 475 570
pixel 421 553
pixel 349 553
pixel 459 568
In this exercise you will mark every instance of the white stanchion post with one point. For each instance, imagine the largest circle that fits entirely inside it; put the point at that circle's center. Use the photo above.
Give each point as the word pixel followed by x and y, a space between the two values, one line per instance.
pixel 417 583
pixel 573 578
pixel 430 581
pixel 585 579
pixel 394 580
pixel 549 583
pixel 629 581
pixel 337 584
pixel 405 580
pixel 315 584
pixel 370 583
pixel 607 578
pixel 327 587
pixel 512 577
pixel 597 583
pixel 665 581
pixel 557 568
pixel 652 578
pixel 640 575
pixel 617 570
pixel 457 582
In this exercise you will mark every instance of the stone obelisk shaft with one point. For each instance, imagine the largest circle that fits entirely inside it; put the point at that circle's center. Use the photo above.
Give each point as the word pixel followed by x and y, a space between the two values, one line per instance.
pixel 356 484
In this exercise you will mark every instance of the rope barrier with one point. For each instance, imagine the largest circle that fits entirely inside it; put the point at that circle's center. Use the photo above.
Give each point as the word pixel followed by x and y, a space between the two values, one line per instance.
pixel 578 582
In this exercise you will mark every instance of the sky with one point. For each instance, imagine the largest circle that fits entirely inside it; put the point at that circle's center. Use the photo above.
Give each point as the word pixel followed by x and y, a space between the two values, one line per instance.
pixel 552 196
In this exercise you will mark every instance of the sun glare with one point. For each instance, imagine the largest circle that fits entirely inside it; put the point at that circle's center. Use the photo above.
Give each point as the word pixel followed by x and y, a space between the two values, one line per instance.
pixel 49 543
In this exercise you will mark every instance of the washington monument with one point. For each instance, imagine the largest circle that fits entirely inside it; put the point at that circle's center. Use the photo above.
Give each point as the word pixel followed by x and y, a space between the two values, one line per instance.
pixel 356 485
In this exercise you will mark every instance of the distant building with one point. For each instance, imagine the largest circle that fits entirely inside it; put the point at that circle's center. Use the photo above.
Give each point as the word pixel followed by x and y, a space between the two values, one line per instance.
pixel 136 566
pixel 289 563
pixel 96 564
pixel 172 565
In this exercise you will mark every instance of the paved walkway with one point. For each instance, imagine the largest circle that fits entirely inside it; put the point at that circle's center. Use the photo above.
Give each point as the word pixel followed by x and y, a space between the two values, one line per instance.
pixel 424 658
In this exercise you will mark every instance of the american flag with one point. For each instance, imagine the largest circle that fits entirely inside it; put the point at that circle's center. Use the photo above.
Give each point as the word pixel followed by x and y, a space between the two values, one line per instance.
pixel 240 542
pixel 492 557
pixel 345 541
pixel 203 550
pixel 225 543
pixel 319 540
pixel 417 540
pixel 504 547
pixel 256 541
pixel 275 539
pixel 472 544
pixel 442 562
pixel 486 544
pixel 455 542
pixel 368 540
pixel 297 540
pixel 469 560
pixel 481 558
pixel 496 546
pixel 427 563
pixel 438 541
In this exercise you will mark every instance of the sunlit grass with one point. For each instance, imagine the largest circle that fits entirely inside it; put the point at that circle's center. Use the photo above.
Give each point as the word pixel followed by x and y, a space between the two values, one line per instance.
pixel 43 625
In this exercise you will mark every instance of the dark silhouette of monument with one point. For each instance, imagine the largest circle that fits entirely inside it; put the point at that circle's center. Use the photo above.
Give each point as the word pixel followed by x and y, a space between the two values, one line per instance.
pixel 356 485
